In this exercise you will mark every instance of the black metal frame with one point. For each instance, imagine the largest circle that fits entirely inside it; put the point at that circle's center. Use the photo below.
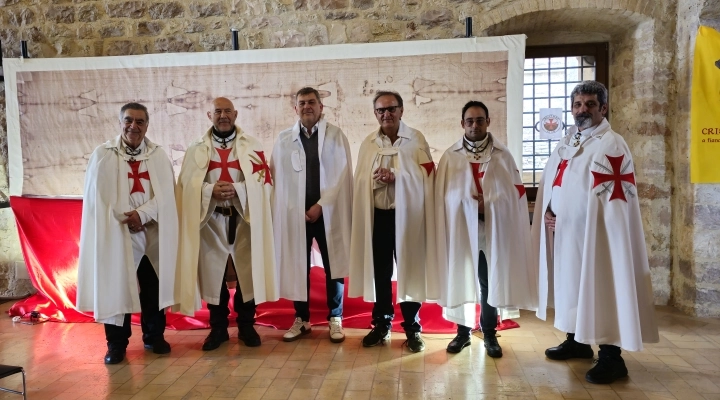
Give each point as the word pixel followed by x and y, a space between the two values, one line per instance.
pixel 587 51
pixel 24 391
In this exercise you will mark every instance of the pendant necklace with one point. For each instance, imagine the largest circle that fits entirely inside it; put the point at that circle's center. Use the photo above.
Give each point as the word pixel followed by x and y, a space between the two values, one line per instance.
pixel 132 153
pixel 224 141
pixel 476 151
pixel 576 139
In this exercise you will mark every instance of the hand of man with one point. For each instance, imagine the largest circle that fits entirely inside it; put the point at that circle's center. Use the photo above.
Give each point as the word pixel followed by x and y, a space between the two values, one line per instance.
pixel 133 221
pixel 481 203
pixel 313 213
pixel 223 191
pixel 550 221
pixel 384 175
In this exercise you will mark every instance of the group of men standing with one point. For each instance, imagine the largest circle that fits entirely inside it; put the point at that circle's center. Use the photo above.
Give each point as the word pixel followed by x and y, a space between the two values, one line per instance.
pixel 458 235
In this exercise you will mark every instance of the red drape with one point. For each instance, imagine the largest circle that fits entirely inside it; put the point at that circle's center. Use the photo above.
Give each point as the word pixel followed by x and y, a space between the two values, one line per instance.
pixel 49 232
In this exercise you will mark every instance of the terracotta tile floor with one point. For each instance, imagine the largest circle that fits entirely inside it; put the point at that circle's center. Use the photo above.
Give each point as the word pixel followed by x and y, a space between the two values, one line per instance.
pixel 64 361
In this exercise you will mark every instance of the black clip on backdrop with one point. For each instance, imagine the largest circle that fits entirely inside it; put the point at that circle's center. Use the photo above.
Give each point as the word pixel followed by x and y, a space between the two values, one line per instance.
pixel 235 41
pixel 468 26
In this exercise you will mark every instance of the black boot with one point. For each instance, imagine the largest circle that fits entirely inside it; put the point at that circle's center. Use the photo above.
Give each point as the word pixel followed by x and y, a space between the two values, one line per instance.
pixel 569 349
pixel 607 370
pixel 492 347
pixel 249 335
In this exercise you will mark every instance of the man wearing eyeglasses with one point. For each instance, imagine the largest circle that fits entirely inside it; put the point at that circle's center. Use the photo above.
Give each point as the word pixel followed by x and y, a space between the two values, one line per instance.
pixel 588 233
pixel 483 233
pixel 223 198
pixel 128 239
pixel 392 221
pixel 313 200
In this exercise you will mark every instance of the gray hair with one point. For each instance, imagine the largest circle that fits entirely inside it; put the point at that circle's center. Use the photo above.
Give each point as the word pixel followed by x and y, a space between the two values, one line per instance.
pixel 136 107
pixel 591 87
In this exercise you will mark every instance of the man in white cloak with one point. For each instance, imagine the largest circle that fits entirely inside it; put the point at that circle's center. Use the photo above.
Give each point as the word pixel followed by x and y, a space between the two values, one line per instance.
pixel 589 236
pixel 128 239
pixel 223 198
pixel 312 200
pixel 483 233
pixel 393 220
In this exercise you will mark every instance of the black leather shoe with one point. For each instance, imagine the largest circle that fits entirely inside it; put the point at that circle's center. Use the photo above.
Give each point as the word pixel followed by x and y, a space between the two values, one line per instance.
pixel 458 343
pixel 249 336
pixel 569 349
pixel 215 339
pixel 414 342
pixel 160 346
pixel 114 356
pixel 376 336
pixel 492 347
pixel 607 370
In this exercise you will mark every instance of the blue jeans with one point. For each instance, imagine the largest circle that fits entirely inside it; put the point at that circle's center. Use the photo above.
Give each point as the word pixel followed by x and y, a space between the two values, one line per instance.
pixel 334 288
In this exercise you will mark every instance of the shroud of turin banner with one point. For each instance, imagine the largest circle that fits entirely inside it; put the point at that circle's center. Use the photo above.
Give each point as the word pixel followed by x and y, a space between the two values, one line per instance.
pixel 59 110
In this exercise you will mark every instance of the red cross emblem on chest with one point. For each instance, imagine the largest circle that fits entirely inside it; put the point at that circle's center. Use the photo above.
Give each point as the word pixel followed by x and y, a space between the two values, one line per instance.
pixel 477 176
pixel 560 172
pixel 261 167
pixel 615 177
pixel 136 175
pixel 224 165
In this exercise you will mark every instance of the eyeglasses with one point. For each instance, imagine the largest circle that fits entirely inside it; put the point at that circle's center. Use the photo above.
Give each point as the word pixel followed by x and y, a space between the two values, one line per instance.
pixel 138 122
pixel 477 121
pixel 391 110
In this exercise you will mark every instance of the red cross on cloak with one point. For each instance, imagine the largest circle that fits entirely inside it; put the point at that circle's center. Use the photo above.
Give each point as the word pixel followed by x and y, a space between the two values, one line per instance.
pixel 224 165
pixel 616 177
pixel 477 176
pixel 136 175
pixel 262 167
pixel 560 172
pixel 429 167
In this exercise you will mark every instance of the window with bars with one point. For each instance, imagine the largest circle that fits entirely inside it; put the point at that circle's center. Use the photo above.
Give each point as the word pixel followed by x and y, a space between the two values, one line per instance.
pixel 551 73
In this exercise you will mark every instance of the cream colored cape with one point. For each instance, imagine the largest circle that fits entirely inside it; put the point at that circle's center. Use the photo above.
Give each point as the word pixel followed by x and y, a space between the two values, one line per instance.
pixel 248 151
pixel 107 274
pixel 512 276
pixel 414 219
pixel 596 268
pixel 289 170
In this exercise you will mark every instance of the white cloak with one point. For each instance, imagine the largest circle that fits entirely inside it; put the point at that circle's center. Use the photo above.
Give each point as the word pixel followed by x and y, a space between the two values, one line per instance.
pixel 194 216
pixel 289 169
pixel 414 217
pixel 595 266
pixel 107 272
pixel 512 276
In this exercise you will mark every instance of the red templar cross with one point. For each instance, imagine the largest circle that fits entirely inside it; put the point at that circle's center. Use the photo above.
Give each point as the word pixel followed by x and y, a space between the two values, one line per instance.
pixel 262 167
pixel 429 167
pixel 477 176
pixel 616 177
pixel 136 175
pixel 224 165
pixel 560 172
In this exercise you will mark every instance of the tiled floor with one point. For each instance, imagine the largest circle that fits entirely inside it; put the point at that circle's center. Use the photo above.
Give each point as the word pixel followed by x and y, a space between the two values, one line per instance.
pixel 64 361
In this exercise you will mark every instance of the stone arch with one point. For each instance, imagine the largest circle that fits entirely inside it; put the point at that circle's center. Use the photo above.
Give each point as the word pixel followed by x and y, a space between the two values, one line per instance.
pixel 627 8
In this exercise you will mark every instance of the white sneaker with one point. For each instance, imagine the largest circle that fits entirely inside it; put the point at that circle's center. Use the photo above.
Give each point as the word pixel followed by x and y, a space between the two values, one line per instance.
pixel 298 328
pixel 336 332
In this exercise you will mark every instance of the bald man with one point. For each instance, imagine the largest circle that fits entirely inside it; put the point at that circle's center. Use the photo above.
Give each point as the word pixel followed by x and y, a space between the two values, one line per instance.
pixel 223 198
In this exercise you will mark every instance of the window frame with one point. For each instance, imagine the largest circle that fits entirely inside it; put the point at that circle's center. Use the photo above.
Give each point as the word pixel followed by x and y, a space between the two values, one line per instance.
pixel 600 51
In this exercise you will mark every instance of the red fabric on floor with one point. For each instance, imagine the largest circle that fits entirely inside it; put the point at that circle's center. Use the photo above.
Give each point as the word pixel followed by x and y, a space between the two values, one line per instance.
pixel 49 232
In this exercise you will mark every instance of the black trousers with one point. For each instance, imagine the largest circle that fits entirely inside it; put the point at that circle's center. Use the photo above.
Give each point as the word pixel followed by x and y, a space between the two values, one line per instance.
pixel 219 313
pixel 383 244
pixel 488 316
pixel 152 319
pixel 334 288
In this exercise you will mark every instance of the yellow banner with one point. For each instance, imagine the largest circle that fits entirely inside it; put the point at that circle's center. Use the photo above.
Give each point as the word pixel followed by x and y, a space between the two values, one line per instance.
pixel 705 108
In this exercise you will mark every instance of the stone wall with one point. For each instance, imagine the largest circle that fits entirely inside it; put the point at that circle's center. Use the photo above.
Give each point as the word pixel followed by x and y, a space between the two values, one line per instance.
pixel 696 261
pixel 651 52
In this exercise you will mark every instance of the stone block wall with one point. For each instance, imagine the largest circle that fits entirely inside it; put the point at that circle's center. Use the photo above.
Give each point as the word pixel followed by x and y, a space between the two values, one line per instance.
pixel 651 53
